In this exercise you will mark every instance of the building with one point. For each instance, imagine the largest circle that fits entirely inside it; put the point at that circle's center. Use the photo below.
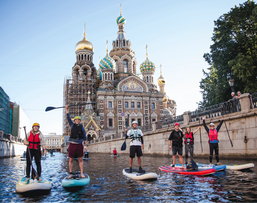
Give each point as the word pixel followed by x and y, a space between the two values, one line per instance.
pixel 53 141
pixel 20 119
pixel 114 95
pixel 5 112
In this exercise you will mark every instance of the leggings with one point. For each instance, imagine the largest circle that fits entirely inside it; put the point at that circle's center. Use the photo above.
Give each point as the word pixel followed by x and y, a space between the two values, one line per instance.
pixel 189 149
pixel 37 154
pixel 214 146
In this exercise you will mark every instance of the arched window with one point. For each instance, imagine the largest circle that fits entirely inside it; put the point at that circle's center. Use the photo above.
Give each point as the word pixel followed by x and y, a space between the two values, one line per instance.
pixel 111 76
pixel 88 57
pixel 105 76
pixel 82 57
pixel 117 42
pixel 124 42
pixel 79 57
pixel 125 65
pixel 146 78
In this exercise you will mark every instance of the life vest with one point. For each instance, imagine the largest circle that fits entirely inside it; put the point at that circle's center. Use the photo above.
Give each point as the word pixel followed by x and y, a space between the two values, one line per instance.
pixel 189 138
pixel 34 140
pixel 77 132
pixel 114 152
pixel 135 136
pixel 213 136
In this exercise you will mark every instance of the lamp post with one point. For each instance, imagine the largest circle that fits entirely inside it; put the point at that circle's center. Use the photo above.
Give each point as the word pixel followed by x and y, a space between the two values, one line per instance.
pixel 231 84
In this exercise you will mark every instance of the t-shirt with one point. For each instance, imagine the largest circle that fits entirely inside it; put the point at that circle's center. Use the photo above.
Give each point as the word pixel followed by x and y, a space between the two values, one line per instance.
pixel 136 140
pixel 176 138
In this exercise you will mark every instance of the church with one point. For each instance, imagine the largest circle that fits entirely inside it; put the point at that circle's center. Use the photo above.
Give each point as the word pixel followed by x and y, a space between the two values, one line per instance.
pixel 113 93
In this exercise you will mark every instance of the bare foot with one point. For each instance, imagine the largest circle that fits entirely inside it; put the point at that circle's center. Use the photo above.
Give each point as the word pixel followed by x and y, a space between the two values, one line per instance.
pixel 39 179
pixel 70 176
pixel 82 176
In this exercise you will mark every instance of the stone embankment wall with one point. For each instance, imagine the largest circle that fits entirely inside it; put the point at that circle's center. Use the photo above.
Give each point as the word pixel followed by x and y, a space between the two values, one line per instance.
pixel 10 146
pixel 242 128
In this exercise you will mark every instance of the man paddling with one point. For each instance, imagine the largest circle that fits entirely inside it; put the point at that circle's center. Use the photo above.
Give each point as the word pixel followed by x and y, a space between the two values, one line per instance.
pixel 35 141
pixel 136 145
pixel 213 139
pixel 78 134
pixel 177 144
pixel 114 152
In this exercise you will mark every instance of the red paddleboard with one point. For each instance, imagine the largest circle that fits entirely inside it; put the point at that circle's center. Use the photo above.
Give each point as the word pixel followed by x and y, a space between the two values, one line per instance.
pixel 179 170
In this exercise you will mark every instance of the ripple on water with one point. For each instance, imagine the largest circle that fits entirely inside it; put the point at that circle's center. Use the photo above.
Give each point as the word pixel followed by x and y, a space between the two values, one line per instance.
pixel 108 184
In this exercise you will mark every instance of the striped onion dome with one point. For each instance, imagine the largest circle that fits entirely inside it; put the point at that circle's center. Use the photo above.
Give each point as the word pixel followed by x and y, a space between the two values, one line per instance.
pixel 121 19
pixel 107 62
pixel 147 65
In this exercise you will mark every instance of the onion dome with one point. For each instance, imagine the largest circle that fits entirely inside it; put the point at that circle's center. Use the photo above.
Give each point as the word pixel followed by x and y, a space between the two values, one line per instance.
pixel 165 98
pixel 121 20
pixel 84 44
pixel 161 79
pixel 147 65
pixel 107 61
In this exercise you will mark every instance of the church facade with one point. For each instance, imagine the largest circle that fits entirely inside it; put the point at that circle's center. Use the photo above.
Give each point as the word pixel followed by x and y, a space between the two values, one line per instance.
pixel 114 95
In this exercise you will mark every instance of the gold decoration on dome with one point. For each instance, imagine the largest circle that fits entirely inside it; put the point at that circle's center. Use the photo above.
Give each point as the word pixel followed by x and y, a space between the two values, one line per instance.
pixel 165 99
pixel 121 9
pixel 84 44
pixel 161 79
pixel 106 47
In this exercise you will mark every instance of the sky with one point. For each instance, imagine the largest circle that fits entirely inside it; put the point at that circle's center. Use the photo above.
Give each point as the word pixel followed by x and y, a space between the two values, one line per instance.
pixel 38 39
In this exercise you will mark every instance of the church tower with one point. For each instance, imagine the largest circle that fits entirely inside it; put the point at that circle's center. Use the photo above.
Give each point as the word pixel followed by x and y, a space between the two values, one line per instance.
pixel 122 53
pixel 147 69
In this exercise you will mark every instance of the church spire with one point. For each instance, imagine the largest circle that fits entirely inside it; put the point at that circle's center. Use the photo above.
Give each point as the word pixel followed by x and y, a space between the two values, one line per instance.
pixel 146 51
pixel 107 47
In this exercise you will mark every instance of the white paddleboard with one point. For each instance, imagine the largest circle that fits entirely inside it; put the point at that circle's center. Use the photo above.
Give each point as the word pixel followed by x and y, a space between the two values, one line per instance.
pixel 239 167
pixel 33 185
pixel 135 175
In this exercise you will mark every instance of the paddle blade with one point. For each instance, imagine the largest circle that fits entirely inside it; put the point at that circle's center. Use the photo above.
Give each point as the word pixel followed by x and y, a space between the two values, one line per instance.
pixel 194 165
pixel 34 173
pixel 49 108
pixel 123 147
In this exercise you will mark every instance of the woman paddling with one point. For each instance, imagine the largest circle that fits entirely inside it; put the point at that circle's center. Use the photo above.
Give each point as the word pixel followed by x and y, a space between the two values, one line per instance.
pixel 35 141
pixel 189 142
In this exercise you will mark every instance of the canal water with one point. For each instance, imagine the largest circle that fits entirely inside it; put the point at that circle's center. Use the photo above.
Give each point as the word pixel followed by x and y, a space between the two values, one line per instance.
pixel 108 184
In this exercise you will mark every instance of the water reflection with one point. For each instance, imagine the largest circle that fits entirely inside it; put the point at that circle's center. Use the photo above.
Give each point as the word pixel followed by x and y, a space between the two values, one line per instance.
pixel 108 184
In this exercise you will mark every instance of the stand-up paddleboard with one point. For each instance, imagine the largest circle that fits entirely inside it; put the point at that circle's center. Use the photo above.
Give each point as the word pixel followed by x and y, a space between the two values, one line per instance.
pixel 139 176
pixel 76 180
pixel 241 167
pixel 179 170
pixel 207 166
pixel 86 158
pixel 115 155
pixel 33 185
pixel 43 157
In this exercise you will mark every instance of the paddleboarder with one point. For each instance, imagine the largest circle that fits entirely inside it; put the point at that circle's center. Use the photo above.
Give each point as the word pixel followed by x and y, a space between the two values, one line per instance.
pixel 213 139
pixel 189 142
pixel 114 151
pixel 78 135
pixel 136 145
pixel 34 140
pixel 176 136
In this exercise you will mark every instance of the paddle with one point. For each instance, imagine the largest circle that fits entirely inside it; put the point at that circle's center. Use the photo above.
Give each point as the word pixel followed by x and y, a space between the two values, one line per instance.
pixel 124 145
pixel 49 108
pixel 200 132
pixel 34 172
pixel 228 133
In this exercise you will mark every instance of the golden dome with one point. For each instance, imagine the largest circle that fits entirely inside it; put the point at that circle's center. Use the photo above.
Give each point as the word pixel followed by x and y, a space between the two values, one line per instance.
pixel 84 44
pixel 165 99
pixel 161 81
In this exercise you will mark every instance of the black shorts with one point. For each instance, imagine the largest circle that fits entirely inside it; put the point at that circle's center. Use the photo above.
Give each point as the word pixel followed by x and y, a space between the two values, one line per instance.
pixel 176 150
pixel 134 150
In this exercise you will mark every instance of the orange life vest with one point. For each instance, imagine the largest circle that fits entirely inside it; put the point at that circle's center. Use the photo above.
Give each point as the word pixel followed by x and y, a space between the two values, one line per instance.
pixel 34 140
pixel 213 136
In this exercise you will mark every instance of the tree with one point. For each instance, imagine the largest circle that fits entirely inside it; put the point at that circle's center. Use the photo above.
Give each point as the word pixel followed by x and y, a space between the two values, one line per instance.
pixel 233 53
